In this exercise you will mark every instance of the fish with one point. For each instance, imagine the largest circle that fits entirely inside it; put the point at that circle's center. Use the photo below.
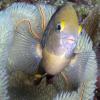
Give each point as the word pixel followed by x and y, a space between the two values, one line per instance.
pixel 59 40
pixel 67 49
pixel 61 52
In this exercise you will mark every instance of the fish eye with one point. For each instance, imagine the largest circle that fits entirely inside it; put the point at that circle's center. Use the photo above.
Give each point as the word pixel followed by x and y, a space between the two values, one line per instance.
pixel 58 27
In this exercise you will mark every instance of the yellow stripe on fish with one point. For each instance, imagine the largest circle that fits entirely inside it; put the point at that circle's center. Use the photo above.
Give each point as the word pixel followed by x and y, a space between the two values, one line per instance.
pixel 63 24
pixel 79 29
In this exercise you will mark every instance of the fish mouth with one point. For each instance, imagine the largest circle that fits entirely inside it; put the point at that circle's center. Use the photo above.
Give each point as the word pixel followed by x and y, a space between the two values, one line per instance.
pixel 40 74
